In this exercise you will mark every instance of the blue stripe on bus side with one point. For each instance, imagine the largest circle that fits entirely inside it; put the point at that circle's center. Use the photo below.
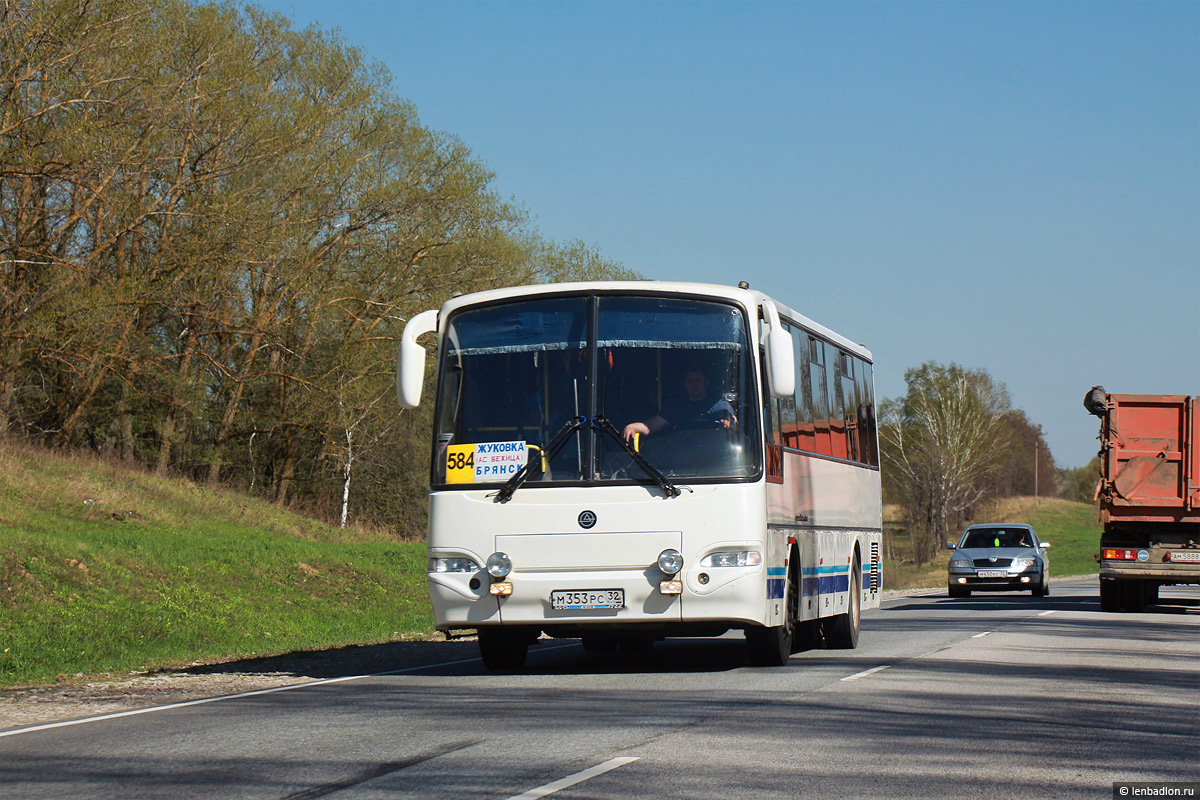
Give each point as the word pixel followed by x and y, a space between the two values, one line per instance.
pixel 775 587
pixel 835 583
pixel 824 580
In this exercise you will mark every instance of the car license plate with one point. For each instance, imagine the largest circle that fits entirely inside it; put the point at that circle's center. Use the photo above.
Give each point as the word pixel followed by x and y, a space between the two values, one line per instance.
pixel 1191 557
pixel 582 599
pixel 993 573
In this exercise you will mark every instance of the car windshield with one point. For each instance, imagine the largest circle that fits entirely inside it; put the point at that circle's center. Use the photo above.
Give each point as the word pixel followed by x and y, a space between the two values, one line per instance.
pixel 997 537
pixel 545 374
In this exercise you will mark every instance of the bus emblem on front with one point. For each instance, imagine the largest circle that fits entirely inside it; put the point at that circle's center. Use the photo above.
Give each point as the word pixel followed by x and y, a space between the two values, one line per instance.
pixel 587 519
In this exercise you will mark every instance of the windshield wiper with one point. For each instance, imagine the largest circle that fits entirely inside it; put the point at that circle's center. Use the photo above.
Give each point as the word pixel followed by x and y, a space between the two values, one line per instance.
pixel 555 444
pixel 604 424
pixel 548 452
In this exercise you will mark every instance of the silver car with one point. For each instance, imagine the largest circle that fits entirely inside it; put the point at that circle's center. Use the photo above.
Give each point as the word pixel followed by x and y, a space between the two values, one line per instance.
pixel 999 557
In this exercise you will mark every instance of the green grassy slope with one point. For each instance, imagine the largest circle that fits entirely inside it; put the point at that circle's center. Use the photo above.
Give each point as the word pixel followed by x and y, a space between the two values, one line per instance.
pixel 104 569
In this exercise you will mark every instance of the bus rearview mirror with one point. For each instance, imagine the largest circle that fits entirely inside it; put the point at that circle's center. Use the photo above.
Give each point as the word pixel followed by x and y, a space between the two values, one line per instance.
pixel 410 366
pixel 781 367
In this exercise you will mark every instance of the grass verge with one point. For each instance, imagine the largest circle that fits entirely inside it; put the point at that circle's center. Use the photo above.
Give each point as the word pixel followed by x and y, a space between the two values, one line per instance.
pixel 105 569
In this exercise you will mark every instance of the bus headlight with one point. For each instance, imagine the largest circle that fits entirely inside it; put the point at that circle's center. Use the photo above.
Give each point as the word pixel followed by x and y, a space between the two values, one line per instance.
pixel 499 565
pixel 670 561
pixel 458 564
pixel 740 558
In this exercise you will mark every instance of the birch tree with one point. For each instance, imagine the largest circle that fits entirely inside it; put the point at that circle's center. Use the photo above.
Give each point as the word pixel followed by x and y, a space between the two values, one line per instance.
pixel 942 441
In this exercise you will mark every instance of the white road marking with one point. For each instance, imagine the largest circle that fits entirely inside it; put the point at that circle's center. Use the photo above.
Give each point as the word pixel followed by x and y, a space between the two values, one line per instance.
pixel 865 673
pixel 980 635
pixel 1047 613
pixel 322 682
pixel 571 780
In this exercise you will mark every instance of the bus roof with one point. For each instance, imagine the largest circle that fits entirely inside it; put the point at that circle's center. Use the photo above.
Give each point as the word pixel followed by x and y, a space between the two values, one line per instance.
pixel 748 298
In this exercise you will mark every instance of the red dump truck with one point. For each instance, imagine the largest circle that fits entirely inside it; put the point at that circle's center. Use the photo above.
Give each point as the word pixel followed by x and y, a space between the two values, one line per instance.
pixel 1149 495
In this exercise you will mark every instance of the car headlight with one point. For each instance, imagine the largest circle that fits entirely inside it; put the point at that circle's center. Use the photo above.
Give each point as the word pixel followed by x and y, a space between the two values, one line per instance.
pixel 1021 563
pixel 458 564
pixel 960 562
pixel 740 558
pixel 499 565
pixel 670 561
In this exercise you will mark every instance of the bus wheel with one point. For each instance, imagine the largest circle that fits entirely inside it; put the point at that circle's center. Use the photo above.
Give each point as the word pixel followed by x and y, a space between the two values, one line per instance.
pixel 772 647
pixel 841 632
pixel 503 649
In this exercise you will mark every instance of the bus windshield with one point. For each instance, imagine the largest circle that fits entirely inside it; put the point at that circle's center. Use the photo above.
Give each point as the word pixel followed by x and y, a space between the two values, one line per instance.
pixel 512 376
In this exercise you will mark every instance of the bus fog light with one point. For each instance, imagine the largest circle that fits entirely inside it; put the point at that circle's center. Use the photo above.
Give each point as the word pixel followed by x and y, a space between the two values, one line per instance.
pixel 502 589
pixel 670 561
pixel 741 558
pixel 499 565
pixel 671 587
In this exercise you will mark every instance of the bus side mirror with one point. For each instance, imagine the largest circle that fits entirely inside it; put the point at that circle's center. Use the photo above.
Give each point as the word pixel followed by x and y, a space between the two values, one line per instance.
pixel 781 366
pixel 410 366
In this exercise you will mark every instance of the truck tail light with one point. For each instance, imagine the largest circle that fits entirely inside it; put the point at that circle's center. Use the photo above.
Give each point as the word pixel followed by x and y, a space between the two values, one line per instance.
pixel 1118 554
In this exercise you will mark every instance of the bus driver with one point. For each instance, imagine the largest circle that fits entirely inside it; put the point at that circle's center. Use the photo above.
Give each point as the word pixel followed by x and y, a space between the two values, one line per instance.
pixel 699 404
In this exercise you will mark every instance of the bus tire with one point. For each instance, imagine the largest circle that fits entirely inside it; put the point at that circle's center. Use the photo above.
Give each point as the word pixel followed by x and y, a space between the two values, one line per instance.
pixel 841 632
pixel 503 649
pixel 772 647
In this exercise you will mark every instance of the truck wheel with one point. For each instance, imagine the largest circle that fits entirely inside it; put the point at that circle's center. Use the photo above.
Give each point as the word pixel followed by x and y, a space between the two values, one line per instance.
pixel 841 632
pixel 1133 596
pixel 503 649
pixel 1110 595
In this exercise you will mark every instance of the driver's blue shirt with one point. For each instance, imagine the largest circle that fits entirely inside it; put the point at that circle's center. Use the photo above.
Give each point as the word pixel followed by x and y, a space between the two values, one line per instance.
pixel 712 406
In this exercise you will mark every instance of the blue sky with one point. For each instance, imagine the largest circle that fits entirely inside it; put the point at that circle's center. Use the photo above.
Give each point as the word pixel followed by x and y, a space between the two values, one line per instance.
pixel 1013 186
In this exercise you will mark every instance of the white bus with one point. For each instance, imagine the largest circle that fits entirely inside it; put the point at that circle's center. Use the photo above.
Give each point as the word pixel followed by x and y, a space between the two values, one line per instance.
pixel 625 461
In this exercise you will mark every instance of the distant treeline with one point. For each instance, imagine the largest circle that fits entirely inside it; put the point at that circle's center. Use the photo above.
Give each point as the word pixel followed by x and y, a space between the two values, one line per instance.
pixel 212 229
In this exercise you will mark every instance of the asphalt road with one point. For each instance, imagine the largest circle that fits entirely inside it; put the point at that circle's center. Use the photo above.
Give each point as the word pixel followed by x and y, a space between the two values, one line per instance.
pixel 993 696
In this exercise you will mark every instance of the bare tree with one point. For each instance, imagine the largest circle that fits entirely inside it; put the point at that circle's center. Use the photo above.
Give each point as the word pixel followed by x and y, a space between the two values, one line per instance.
pixel 943 441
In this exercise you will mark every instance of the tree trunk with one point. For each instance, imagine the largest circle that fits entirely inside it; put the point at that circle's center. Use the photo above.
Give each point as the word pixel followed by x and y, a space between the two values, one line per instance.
pixel 178 397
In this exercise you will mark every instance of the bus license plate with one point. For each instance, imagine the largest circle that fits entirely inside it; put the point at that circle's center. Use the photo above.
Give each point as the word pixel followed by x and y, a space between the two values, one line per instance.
pixel 578 600
pixel 993 573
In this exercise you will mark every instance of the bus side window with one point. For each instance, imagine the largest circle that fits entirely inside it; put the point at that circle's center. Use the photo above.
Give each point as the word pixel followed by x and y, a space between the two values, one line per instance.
pixel 820 397
pixel 806 435
pixel 866 414
pixel 850 407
